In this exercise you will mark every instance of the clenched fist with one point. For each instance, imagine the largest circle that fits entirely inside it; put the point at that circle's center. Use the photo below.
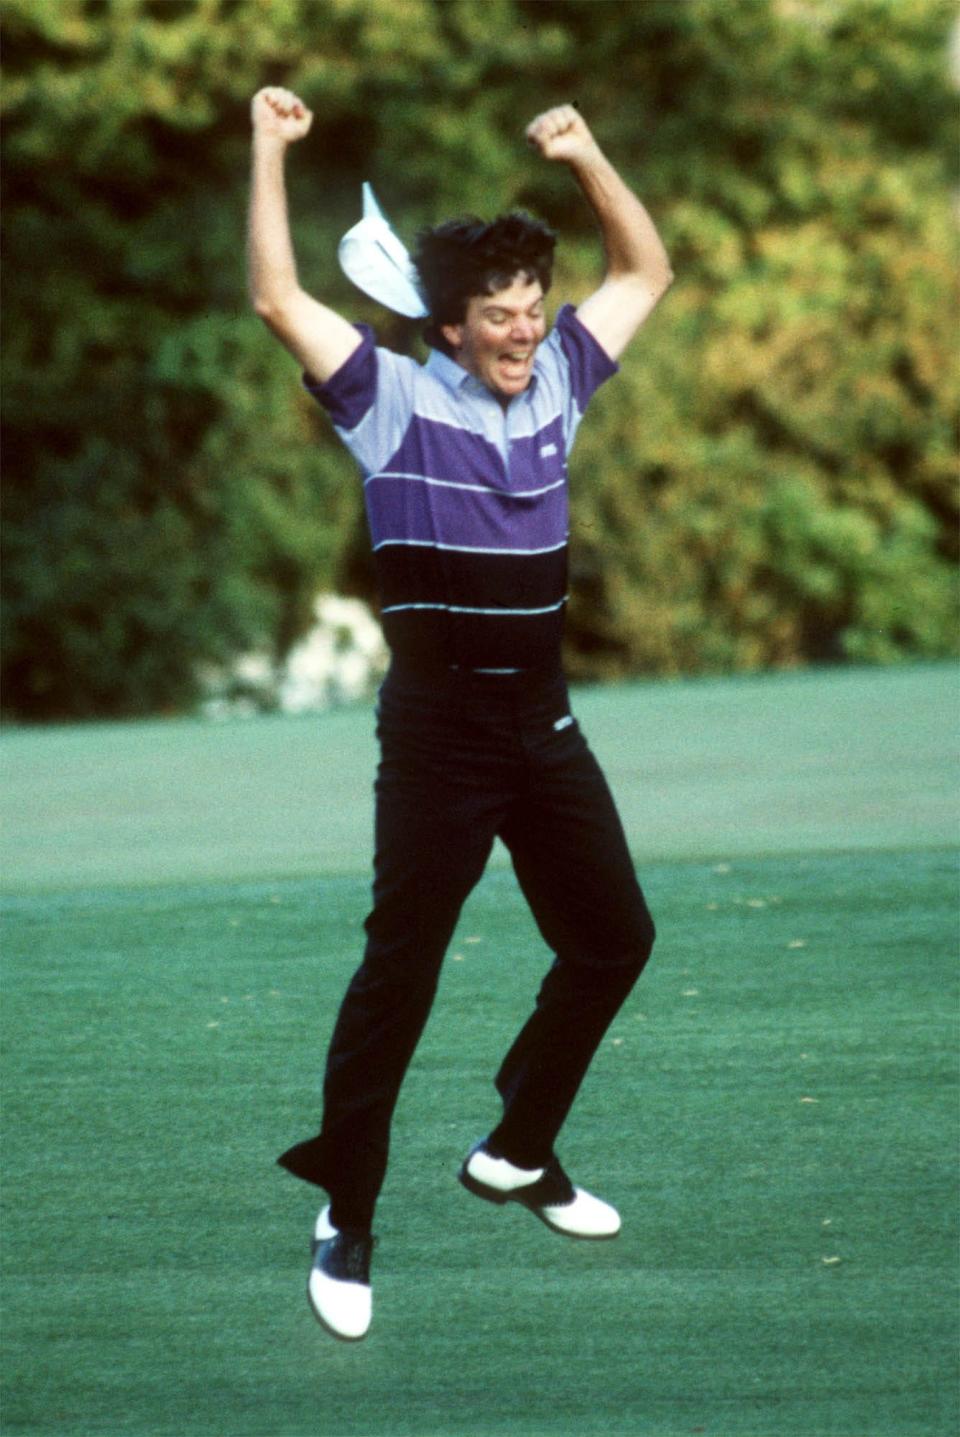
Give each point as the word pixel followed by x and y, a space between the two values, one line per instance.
pixel 280 115
pixel 561 134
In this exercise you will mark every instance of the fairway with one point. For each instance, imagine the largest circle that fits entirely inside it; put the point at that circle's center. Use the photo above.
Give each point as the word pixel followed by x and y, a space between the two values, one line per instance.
pixel 774 1111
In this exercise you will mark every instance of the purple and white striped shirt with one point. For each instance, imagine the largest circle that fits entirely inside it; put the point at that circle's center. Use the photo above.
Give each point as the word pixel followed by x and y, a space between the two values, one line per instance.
pixel 466 501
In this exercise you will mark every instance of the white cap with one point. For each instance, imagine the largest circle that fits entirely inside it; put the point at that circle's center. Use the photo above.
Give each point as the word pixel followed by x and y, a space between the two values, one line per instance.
pixel 376 261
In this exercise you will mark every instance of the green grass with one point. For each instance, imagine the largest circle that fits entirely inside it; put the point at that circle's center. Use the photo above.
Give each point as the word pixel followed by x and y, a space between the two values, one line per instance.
pixel 770 764
pixel 774 1112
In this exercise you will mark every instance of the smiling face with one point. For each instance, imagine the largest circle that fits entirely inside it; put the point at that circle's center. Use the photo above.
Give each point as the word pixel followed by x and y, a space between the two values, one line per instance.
pixel 498 338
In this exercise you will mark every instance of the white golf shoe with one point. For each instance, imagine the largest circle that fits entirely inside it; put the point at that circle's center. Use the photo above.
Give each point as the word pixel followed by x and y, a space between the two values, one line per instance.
pixel 339 1284
pixel 547 1192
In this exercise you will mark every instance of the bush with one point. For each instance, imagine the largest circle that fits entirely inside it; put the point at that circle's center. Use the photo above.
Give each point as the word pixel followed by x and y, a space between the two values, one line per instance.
pixel 770 481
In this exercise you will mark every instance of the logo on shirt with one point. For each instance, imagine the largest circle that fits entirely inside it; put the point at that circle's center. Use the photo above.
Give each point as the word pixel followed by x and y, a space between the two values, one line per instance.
pixel 547 451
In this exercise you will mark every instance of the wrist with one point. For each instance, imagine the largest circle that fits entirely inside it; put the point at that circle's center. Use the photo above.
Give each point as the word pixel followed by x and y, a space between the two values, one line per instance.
pixel 590 159
pixel 265 143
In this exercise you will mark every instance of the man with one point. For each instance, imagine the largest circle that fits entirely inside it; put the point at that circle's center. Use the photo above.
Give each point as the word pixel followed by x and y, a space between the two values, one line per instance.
pixel 464 461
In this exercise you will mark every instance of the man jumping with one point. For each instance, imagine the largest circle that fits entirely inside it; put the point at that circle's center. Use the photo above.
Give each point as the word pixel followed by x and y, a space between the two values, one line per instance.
pixel 465 480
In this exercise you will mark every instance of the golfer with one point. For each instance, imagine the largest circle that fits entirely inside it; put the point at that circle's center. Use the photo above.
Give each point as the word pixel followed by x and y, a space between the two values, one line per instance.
pixel 464 460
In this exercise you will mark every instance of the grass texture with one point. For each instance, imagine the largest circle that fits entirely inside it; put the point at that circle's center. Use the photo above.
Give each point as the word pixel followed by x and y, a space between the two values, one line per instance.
pixel 774 1111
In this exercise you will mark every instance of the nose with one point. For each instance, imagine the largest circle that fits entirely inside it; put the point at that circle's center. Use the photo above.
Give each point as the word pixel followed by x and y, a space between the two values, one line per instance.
pixel 523 330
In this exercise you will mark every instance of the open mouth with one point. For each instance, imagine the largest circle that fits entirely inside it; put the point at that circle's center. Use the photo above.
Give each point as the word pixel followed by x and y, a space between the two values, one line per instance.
pixel 515 361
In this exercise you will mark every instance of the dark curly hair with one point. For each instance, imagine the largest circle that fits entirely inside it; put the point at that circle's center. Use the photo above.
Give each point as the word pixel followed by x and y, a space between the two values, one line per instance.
pixel 467 257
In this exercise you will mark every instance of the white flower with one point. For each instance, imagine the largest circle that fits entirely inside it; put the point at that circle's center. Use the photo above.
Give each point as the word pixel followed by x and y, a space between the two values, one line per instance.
pixel 341 659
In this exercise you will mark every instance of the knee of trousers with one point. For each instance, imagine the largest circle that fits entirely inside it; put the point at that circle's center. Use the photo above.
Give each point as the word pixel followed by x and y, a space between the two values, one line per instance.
pixel 646 937
pixel 618 967
pixel 618 979
pixel 399 979
pixel 595 984
pixel 626 950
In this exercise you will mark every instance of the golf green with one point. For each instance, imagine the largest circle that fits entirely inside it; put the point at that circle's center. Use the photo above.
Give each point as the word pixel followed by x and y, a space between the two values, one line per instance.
pixel 774 1112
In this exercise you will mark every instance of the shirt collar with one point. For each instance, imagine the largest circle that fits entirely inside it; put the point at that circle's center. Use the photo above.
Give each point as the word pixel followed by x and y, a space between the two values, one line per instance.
pixel 442 367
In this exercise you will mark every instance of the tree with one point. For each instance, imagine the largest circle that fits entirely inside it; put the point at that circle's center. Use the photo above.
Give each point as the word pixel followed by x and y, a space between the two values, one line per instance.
pixel 769 481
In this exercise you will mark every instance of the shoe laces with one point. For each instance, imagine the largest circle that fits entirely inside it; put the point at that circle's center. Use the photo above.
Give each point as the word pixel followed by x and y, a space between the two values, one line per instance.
pixel 554 1189
pixel 346 1256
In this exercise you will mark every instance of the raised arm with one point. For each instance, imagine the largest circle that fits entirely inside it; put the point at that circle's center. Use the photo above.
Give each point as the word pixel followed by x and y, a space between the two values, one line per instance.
pixel 638 271
pixel 317 336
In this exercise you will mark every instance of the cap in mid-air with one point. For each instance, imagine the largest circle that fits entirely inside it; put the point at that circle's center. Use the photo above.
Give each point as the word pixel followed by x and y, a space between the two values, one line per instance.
pixel 375 259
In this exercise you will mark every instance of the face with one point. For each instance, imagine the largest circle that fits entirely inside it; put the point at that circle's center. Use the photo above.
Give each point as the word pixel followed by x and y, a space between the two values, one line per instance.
pixel 498 338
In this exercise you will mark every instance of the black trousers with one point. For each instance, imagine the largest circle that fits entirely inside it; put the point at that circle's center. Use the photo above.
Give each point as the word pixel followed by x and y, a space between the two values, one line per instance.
pixel 466 758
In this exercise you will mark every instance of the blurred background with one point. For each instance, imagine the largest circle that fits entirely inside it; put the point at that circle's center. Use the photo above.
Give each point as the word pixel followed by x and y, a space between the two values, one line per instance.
pixel 771 483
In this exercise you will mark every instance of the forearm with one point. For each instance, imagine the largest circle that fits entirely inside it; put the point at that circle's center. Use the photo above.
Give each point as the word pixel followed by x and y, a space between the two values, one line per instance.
pixel 271 264
pixel 638 270
pixel 633 247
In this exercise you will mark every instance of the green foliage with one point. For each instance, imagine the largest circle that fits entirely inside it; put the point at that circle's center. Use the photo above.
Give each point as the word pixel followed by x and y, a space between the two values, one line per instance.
pixel 166 503
pixel 775 479
pixel 770 480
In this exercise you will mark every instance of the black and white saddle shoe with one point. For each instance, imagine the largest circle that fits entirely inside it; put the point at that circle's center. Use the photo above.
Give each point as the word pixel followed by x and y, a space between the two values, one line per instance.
pixel 339 1284
pixel 547 1192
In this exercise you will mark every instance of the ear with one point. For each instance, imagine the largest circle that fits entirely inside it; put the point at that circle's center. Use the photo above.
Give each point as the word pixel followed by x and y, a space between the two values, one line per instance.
pixel 453 334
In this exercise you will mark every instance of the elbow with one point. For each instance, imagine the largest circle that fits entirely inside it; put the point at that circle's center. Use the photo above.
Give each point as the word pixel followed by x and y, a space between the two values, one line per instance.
pixel 272 304
pixel 274 312
pixel 650 280
pixel 658 278
pixel 265 308
pixel 665 278
pixel 660 273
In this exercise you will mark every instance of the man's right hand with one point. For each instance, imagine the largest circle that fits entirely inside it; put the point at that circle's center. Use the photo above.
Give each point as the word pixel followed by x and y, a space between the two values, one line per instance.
pixel 280 115
pixel 317 336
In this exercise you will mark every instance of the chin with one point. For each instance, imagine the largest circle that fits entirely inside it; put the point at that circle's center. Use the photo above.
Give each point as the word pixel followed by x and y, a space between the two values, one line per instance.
pixel 512 387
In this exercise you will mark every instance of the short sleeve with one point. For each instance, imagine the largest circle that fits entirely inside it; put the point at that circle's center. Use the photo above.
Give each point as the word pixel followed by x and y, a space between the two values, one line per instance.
pixel 349 393
pixel 369 400
pixel 589 363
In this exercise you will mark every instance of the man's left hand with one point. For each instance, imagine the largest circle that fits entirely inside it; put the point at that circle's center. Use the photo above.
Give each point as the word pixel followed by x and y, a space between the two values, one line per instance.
pixel 562 134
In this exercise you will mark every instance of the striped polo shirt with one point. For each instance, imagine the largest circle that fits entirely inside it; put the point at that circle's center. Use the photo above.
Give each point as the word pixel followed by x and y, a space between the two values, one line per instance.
pixel 466 501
